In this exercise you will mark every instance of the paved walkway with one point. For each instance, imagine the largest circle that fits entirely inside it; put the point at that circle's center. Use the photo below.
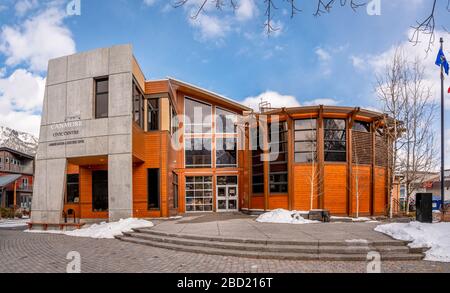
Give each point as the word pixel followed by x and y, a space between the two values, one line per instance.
pixel 242 226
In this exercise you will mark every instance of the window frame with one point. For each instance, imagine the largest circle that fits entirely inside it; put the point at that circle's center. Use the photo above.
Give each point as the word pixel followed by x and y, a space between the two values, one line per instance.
pixel 193 166
pixel 185 125
pixel 236 153
pixel 325 140
pixel 158 189
pixel 77 183
pixel 315 130
pixel 194 183
pixel 96 94
pixel 151 111
pixel 285 142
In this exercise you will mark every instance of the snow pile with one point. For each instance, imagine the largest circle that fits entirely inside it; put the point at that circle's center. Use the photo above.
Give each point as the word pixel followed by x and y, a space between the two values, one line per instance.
pixel 434 236
pixel 104 229
pixel 13 223
pixel 283 216
pixel 360 219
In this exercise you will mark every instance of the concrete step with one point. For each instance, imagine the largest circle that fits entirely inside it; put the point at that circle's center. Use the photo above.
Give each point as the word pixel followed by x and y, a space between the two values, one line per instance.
pixel 312 247
pixel 387 242
pixel 285 255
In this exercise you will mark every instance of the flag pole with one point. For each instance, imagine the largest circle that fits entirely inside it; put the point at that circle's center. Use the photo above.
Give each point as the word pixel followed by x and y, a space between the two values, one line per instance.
pixel 442 136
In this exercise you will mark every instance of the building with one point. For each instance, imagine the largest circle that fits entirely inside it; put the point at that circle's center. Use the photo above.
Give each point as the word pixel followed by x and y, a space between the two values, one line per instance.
pixel 115 145
pixel 434 186
pixel 16 179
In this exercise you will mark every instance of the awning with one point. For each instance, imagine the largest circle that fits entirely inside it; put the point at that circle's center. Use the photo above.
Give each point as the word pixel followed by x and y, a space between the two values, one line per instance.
pixel 8 179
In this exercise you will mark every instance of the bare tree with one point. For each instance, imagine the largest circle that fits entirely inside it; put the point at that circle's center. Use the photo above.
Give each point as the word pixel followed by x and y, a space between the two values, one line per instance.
pixel 425 26
pixel 388 88
pixel 408 100
pixel 418 157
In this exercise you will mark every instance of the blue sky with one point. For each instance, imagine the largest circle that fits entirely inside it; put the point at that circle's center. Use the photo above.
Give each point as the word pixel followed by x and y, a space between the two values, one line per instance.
pixel 331 59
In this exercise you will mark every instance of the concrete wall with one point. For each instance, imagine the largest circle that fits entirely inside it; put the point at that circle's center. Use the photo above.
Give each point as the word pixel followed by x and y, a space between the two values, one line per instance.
pixel 69 129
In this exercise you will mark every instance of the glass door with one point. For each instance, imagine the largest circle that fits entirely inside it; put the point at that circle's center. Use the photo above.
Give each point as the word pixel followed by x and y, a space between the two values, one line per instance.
pixel 227 193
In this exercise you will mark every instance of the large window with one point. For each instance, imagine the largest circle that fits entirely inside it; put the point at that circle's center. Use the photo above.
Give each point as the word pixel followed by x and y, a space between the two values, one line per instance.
pixel 198 117
pixel 153 114
pixel 335 140
pixel 101 97
pixel 72 189
pixel 305 140
pixel 278 175
pixel 153 188
pixel 226 155
pixel 99 191
pixel 361 126
pixel 138 105
pixel 198 152
pixel 199 194
pixel 257 162
pixel 226 122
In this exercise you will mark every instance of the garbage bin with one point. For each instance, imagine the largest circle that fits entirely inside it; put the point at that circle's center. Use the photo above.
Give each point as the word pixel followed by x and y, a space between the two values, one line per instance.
pixel 424 207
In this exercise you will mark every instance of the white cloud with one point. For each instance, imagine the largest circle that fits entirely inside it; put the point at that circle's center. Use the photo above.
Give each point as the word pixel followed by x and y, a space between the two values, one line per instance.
pixel 21 96
pixel 24 6
pixel 357 62
pixel 323 55
pixel 150 2
pixel 37 40
pixel 210 27
pixel 275 99
pixel 324 101
pixel 246 10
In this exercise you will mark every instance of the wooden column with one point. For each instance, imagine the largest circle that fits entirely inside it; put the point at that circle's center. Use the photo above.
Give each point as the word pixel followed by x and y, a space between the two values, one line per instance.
pixel 291 198
pixel 265 132
pixel 372 190
pixel 321 158
pixel 350 165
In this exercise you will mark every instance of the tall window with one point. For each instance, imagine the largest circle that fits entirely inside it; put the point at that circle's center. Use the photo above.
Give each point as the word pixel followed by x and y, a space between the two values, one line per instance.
pixel 174 123
pixel 138 105
pixel 361 126
pixel 278 175
pixel 335 140
pixel 257 163
pixel 198 152
pixel 73 189
pixel 153 114
pixel 99 191
pixel 199 195
pixel 226 155
pixel 198 117
pixel 175 190
pixel 153 189
pixel 101 97
pixel 226 122
pixel 305 140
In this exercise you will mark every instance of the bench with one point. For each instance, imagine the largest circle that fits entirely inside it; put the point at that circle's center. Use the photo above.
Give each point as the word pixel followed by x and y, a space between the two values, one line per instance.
pixel 60 225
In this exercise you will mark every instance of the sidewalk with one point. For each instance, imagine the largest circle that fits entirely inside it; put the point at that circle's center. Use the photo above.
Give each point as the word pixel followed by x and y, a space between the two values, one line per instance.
pixel 236 225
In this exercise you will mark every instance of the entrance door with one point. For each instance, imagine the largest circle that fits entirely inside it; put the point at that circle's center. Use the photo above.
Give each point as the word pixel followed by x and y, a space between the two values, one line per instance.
pixel 227 193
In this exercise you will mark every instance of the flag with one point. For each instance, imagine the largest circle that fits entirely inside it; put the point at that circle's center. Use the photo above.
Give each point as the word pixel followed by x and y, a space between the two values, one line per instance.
pixel 449 90
pixel 441 60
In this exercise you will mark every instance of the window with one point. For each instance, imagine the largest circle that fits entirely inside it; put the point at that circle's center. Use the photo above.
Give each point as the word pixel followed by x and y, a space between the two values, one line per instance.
pixel 101 98
pixel 153 189
pixel 72 189
pixel 335 140
pixel 99 191
pixel 305 148
pixel 175 190
pixel 198 117
pixel 138 105
pixel 361 126
pixel 174 121
pixel 278 175
pixel 199 195
pixel 153 114
pixel 226 122
pixel 257 162
pixel 226 155
pixel 198 152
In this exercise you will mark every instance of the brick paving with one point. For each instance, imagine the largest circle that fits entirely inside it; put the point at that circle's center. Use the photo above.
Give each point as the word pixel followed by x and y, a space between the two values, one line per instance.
pixel 30 252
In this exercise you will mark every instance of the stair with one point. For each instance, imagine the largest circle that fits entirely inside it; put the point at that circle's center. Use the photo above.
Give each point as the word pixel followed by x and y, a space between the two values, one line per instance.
pixel 273 249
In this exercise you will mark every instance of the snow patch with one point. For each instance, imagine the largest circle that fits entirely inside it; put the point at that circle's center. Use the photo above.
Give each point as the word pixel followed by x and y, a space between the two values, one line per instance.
pixel 283 216
pixel 104 229
pixel 13 223
pixel 360 219
pixel 357 241
pixel 434 236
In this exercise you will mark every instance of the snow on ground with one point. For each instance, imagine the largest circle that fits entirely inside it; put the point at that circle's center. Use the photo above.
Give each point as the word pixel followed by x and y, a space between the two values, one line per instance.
pixel 435 236
pixel 283 216
pixel 9 223
pixel 104 229
pixel 360 219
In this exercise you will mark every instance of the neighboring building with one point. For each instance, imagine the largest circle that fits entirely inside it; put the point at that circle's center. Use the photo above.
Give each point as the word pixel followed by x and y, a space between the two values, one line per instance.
pixel 434 186
pixel 16 179
pixel 111 146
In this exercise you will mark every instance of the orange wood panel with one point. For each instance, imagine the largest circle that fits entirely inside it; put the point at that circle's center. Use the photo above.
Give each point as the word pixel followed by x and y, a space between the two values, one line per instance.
pixel 278 202
pixel 156 87
pixel 335 188
pixel 257 202
pixel 380 191
pixel 305 180
pixel 362 175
